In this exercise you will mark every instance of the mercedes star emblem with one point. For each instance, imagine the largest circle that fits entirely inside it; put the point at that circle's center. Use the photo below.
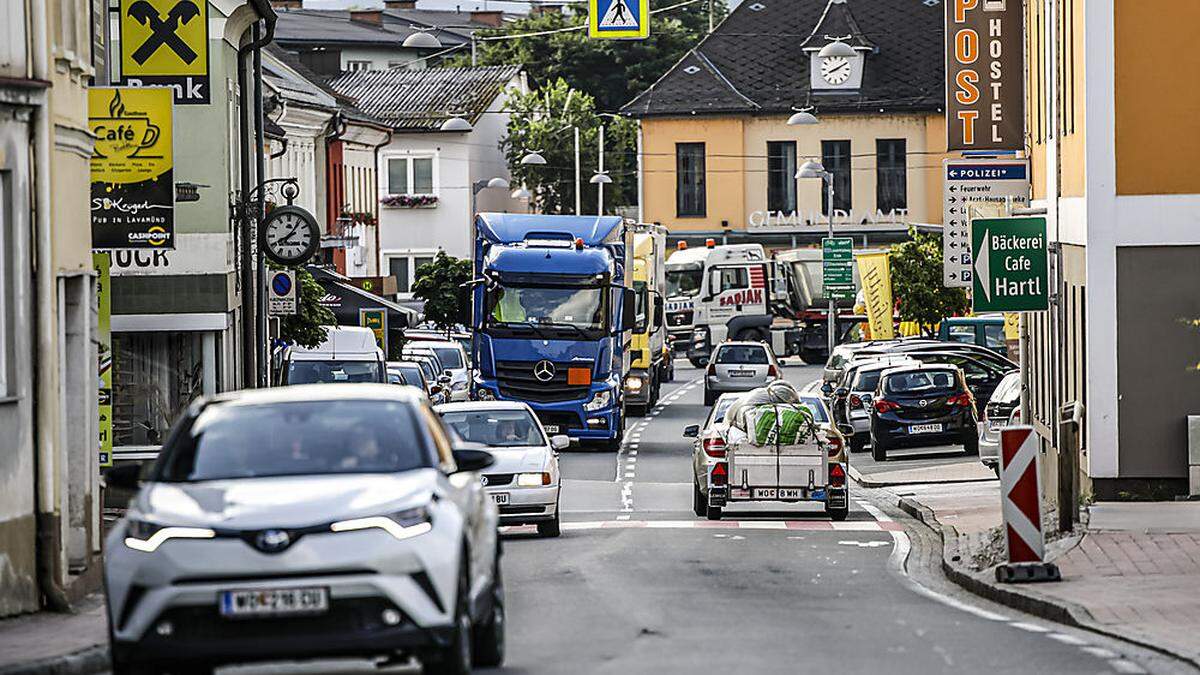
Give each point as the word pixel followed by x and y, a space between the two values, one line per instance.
pixel 543 370
pixel 483 480
pixel 924 403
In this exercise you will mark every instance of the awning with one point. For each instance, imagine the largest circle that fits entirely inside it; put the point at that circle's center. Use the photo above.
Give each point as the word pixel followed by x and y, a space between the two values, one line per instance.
pixel 345 300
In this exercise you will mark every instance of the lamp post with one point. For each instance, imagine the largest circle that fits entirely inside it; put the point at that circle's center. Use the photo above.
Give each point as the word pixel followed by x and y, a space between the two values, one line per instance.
pixel 811 169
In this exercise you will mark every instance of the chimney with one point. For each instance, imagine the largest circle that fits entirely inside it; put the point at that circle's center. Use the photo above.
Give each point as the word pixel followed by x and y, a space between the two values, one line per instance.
pixel 490 17
pixel 368 16
pixel 399 4
pixel 287 4
pixel 546 9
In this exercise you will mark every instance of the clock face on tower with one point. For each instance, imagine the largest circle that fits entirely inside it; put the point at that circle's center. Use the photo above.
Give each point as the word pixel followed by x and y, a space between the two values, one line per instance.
pixel 836 69
pixel 289 236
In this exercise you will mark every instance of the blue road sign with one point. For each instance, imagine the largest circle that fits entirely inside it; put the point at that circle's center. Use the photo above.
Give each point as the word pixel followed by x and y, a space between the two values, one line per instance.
pixel 281 283
pixel 619 19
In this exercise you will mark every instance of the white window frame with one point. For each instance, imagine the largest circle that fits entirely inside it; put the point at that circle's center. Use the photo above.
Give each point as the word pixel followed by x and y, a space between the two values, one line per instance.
pixel 385 187
pixel 353 65
pixel 411 255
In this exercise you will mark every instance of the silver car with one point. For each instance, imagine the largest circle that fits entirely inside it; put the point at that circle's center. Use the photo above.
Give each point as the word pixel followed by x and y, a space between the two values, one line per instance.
pixel 1004 409
pixel 306 522
pixel 851 400
pixel 739 366
pixel 524 481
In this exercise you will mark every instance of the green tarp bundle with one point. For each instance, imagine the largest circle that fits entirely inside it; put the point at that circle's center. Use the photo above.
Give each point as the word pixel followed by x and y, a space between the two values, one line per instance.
pixel 780 424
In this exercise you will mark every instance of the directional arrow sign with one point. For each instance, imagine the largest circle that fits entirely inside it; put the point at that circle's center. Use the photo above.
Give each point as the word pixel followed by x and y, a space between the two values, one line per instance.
pixel 1011 270
pixel 968 182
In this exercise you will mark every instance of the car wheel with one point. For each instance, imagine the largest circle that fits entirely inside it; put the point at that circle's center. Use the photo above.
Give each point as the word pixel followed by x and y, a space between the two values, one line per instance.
pixel 711 512
pixel 122 667
pixel 838 514
pixel 488 647
pixel 699 502
pixel 878 449
pixel 698 362
pixel 550 528
pixel 971 444
pixel 858 443
pixel 636 411
pixel 455 657
pixel 709 398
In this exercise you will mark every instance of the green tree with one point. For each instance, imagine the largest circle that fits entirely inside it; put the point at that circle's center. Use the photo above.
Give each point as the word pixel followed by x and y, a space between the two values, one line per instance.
pixel 917 282
pixel 307 327
pixel 611 71
pixel 441 285
pixel 542 122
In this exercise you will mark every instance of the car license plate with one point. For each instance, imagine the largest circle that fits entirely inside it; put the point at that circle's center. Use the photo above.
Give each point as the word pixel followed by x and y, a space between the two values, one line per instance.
pixel 553 429
pixel 741 373
pixel 274 602
pixel 925 429
pixel 500 498
pixel 777 493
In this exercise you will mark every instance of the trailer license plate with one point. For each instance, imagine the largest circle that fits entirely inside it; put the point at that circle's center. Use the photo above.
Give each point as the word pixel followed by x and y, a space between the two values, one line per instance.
pixel 274 602
pixel 500 498
pixel 925 429
pixel 777 493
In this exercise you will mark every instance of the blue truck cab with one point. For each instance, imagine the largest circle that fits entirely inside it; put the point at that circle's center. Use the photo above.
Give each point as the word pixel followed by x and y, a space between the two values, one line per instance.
pixel 552 311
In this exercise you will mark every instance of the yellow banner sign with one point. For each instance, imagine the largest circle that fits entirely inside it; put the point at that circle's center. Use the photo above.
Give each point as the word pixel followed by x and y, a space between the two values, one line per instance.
pixel 875 271
pixel 165 43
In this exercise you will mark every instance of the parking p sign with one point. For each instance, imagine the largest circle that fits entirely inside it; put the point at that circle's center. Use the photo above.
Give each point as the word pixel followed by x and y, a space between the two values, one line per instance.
pixel 281 293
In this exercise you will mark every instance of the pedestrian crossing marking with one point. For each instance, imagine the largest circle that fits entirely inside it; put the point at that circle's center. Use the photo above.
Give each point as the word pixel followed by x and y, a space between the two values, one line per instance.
pixel 619 15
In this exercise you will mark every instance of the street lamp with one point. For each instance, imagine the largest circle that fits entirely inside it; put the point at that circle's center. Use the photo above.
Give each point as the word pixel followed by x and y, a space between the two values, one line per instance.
pixel 802 117
pixel 600 179
pixel 533 158
pixel 421 40
pixel 812 169
pixel 521 193
pixel 457 124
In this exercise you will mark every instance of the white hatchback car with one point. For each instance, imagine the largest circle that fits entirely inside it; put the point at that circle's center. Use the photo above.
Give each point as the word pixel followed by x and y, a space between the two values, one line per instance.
pixel 524 481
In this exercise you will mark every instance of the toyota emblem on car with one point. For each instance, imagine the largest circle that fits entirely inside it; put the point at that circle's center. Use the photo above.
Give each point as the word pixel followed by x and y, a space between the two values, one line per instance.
pixel 272 541
pixel 543 370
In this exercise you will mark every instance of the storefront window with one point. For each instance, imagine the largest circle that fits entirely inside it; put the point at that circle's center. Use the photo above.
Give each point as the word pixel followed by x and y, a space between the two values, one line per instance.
pixel 155 377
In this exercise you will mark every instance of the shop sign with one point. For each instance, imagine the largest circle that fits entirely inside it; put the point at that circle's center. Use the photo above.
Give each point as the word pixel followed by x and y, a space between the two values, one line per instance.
pixel 376 320
pixel 132 168
pixel 165 43
pixel 985 96
pixel 1011 265
pixel 194 253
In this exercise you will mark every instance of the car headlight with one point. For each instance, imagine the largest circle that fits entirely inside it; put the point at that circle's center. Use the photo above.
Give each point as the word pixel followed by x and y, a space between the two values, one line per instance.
pixel 147 537
pixel 459 386
pixel 533 479
pixel 602 399
pixel 401 525
pixel 484 394
pixel 633 383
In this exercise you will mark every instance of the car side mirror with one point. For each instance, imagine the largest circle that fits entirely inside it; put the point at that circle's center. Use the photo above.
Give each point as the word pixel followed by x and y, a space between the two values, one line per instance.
pixel 846 429
pixel 841 392
pixel 691 431
pixel 659 313
pixel 124 477
pixel 471 459
pixel 560 442
pixel 445 377
pixel 826 388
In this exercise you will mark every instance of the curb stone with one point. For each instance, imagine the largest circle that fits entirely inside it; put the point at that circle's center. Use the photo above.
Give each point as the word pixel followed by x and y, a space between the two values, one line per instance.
pixel 1026 599
pixel 86 661
pixel 867 481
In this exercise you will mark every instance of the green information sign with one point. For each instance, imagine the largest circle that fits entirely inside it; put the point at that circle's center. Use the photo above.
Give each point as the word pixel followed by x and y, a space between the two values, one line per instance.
pixel 837 263
pixel 1009 265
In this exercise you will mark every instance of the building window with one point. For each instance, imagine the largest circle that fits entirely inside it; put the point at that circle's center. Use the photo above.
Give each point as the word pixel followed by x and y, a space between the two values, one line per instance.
pixel 404 268
pixel 155 376
pixel 689 180
pixel 410 175
pixel 891 175
pixel 358 65
pixel 835 155
pixel 781 176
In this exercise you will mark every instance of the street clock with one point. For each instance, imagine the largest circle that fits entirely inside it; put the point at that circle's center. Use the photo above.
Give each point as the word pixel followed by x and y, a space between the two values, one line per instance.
pixel 289 236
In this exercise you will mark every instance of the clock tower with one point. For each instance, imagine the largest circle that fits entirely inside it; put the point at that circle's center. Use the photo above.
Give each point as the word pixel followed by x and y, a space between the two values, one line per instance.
pixel 837 51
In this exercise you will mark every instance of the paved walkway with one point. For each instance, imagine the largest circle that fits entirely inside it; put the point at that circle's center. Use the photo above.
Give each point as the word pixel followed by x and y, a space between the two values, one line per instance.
pixel 58 643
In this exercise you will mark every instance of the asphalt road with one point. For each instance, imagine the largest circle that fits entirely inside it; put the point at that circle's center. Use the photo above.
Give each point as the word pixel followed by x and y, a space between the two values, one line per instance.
pixel 638 584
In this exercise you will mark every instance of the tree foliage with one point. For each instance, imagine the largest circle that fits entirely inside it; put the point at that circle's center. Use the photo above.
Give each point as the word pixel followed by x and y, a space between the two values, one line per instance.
pixel 542 122
pixel 917 282
pixel 307 327
pixel 440 285
pixel 611 71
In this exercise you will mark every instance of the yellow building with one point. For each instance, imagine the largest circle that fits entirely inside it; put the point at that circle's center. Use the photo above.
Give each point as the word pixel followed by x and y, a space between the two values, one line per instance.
pixel 719 157
pixel 1113 148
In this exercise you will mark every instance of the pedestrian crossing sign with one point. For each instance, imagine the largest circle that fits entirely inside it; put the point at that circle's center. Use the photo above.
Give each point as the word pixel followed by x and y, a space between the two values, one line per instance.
pixel 619 19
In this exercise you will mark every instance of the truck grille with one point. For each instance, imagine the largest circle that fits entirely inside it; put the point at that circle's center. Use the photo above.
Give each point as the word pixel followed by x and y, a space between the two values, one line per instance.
pixel 517 381
pixel 682 318
pixel 563 419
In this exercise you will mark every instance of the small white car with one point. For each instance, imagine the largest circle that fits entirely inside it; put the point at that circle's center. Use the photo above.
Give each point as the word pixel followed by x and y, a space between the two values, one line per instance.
pixel 524 481
pixel 454 361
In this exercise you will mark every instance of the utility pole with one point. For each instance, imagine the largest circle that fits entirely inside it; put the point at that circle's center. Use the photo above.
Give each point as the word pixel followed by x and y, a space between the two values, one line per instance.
pixel 578 180
pixel 832 319
pixel 600 185
pixel 710 15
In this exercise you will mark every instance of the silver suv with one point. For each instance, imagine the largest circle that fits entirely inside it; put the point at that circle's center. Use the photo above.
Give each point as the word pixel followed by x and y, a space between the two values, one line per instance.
pixel 306 522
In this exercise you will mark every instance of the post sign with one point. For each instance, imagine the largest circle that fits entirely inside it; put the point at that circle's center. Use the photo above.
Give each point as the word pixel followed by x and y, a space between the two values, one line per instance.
pixel 165 43
pixel 100 262
pixel 837 264
pixel 376 320
pixel 1011 268
pixel 985 97
pixel 972 181
pixel 619 19
pixel 132 168
pixel 282 293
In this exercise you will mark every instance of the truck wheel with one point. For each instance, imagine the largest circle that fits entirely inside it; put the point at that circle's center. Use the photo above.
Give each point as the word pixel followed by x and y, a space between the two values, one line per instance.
pixel 858 443
pixel 669 370
pixel 878 449
pixel 712 512
pixel 812 357
pixel 699 502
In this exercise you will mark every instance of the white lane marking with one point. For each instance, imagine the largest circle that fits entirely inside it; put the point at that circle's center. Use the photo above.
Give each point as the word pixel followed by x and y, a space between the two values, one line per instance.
pixel 1100 652
pixel 1031 627
pixel 1126 666
pixel 757 525
pixel 875 513
pixel 1067 639
pixel 896 561
pixel 864 544
pixel 622 517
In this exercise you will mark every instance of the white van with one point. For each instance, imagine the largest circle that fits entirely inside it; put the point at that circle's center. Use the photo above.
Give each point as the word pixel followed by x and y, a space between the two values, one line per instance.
pixel 348 354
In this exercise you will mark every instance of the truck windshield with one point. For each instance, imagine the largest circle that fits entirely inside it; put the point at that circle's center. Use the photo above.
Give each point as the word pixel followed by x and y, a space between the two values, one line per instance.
pixel 544 307
pixel 684 280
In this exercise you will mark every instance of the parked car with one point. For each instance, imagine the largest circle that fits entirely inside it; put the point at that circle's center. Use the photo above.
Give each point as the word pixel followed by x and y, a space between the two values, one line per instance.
pixel 922 345
pixel 986 331
pixel 524 482
pixel 437 380
pixel 306 522
pixel 851 401
pixel 1003 410
pixel 982 376
pixel 923 405
pixel 348 354
pixel 453 359
pixel 739 366
pixel 416 373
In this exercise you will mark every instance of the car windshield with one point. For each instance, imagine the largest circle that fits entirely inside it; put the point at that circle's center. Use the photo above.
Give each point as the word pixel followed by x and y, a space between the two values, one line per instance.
pixel 412 375
pixel 723 404
pixel 295 439
pixel 684 280
pixel 816 407
pixel 1009 389
pixel 866 380
pixel 450 357
pixel 496 428
pixel 314 372
pixel 921 382
pixel 742 354
pixel 582 307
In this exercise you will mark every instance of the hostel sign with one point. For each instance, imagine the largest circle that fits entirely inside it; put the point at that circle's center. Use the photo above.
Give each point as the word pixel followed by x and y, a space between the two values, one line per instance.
pixel 165 43
pixel 985 98
pixel 1011 270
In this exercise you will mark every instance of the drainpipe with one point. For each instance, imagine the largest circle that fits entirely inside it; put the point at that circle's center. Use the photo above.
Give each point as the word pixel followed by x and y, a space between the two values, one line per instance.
pixel 375 205
pixel 260 173
pixel 47 455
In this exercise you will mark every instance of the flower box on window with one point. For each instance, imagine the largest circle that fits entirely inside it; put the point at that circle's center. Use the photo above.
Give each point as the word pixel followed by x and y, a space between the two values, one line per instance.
pixel 410 201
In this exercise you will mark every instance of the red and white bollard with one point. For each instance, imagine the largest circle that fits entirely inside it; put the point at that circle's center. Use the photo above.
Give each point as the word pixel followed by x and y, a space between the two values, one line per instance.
pixel 1021 506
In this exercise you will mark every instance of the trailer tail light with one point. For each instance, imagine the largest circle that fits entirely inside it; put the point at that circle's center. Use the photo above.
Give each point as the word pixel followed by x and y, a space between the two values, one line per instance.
pixel 714 447
pixel 837 475
pixel 720 474
pixel 835 445
pixel 963 399
pixel 884 405
pixel 710 243
pixel 856 401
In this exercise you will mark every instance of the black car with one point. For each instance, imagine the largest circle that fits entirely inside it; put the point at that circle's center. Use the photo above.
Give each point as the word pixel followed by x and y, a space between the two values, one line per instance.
pixel 921 406
pixel 982 375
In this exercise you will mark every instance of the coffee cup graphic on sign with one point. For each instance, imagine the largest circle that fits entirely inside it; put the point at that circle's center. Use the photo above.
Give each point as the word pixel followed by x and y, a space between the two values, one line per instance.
pixel 125 136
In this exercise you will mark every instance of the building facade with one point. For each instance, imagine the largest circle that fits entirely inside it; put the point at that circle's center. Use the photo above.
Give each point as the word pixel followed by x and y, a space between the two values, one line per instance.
pixel 718 156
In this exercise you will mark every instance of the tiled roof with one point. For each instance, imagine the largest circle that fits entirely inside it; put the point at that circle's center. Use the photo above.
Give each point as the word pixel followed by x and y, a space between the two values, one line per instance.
pixel 755 62
pixel 420 100
pixel 333 26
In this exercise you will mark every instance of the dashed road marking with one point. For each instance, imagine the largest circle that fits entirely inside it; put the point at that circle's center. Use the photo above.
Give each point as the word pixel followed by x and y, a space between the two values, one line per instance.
pixel 1031 627
pixel 1126 666
pixel 1101 652
pixel 1067 639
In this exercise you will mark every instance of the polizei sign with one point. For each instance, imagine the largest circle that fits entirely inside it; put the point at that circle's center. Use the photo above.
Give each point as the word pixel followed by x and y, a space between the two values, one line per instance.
pixel 985 98
pixel 1011 271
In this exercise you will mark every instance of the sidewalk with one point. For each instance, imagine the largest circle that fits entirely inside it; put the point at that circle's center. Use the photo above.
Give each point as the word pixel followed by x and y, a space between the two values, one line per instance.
pixel 1132 573
pixel 56 644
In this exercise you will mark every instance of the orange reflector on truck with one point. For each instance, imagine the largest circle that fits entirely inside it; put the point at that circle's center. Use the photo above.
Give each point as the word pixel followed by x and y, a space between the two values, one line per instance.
pixel 579 376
